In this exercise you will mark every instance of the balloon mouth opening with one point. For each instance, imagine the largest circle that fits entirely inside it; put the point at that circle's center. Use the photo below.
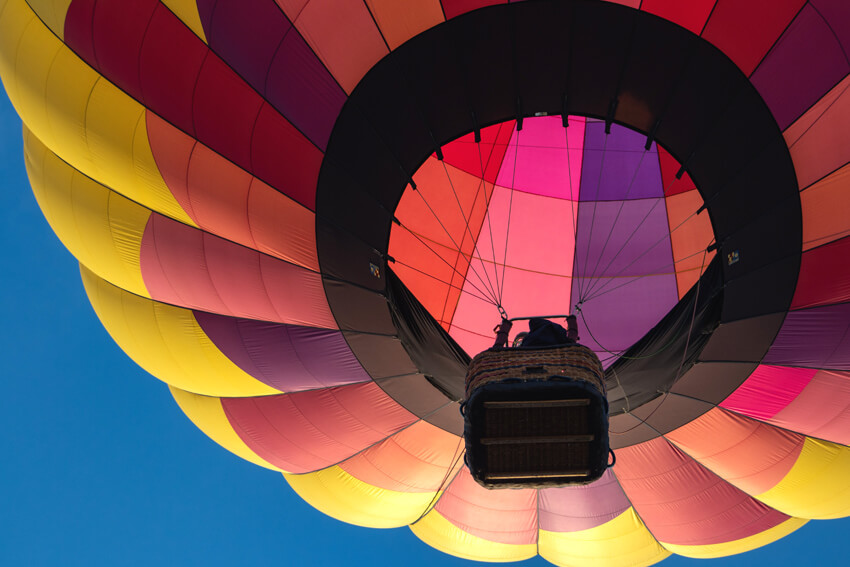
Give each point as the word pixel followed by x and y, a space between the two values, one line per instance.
pixel 587 218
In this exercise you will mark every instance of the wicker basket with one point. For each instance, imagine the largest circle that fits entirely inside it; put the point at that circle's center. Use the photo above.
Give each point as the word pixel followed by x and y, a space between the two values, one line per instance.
pixel 536 417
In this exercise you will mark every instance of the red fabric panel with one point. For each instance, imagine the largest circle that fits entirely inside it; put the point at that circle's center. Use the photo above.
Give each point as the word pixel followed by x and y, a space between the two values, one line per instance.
pixel 691 15
pixel 170 62
pixel 225 110
pixel 745 31
pixel 282 157
pixel 824 276
pixel 768 390
pixel 683 503
pixel 822 409
pixel 119 29
pixel 669 168
pixel 421 458
pixel 78 28
pixel 467 155
pixel 751 455
pixel 190 268
pixel 504 516
pixel 307 431
pixel 452 8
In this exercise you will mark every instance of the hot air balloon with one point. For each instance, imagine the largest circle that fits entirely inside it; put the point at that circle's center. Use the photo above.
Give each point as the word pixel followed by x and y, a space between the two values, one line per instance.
pixel 306 215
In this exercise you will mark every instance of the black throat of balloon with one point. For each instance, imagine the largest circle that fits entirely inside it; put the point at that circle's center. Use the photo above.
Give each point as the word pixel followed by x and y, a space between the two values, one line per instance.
pixel 646 370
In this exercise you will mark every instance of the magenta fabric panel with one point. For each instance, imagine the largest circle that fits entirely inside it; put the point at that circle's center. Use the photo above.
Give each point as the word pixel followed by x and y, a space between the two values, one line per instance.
pixel 768 390
pixel 504 516
pixel 307 431
pixel 821 410
pixel 173 73
pixel 616 166
pixel 78 22
pixel 452 8
pixel 287 357
pixel 837 13
pixel 190 268
pixel 683 503
pixel 576 508
pixel 259 42
pixel 814 338
pixel 806 62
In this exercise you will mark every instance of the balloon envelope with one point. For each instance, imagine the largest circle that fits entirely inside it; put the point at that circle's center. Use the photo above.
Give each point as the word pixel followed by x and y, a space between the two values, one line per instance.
pixel 303 215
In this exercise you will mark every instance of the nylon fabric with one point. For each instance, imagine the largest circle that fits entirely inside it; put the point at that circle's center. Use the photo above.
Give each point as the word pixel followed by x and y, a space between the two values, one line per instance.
pixel 168 342
pixel 77 114
pixel 438 532
pixel 621 541
pixel 340 495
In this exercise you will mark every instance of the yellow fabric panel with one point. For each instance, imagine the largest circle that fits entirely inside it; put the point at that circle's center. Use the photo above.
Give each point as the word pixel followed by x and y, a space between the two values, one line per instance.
pixel 817 486
pixel 439 533
pixel 168 342
pixel 102 229
pixel 208 415
pixel 52 13
pixel 336 493
pixel 621 541
pixel 187 11
pixel 78 114
pixel 733 547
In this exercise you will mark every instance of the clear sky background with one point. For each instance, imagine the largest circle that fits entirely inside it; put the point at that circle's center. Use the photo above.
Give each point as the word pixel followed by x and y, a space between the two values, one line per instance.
pixel 99 467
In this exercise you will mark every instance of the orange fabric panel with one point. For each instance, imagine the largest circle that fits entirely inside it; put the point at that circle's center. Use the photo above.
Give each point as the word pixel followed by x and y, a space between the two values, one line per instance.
pixel 817 147
pixel 344 36
pixel 689 236
pixel 750 455
pixel 447 211
pixel 421 458
pixel 825 209
pixel 399 21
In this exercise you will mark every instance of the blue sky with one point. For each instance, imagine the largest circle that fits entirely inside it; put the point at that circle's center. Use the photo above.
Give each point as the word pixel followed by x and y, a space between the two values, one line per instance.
pixel 100 467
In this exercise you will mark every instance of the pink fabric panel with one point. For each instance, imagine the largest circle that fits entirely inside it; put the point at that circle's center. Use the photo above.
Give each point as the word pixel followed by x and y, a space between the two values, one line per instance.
pixel 576 508
pixel 821 410
pixel 683 503
pixel 190 268
pixel 307 431
pixel 420 458
pixel 545 269
pixel 748 454
pixel 544 166
pixel 768 390
pixel 504 516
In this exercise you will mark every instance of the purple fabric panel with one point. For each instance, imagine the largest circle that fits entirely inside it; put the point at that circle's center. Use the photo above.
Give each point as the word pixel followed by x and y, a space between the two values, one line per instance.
pixel 814 338
pixel 623 238
pixel 624 310
pixel 837 14
pixel 303 89
pixel 246 34
pixel 258 41
pixel 627 170
pixel 287 357
pixel 805 64
pixel 576 508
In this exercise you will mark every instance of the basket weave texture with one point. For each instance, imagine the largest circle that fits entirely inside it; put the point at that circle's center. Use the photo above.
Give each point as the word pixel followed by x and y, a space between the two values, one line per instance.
pixel 572 362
